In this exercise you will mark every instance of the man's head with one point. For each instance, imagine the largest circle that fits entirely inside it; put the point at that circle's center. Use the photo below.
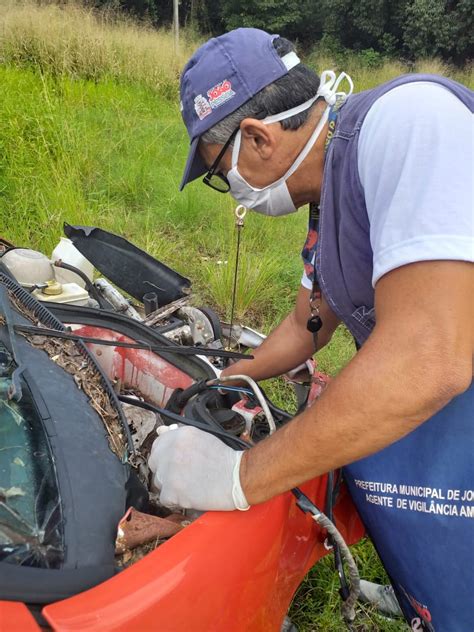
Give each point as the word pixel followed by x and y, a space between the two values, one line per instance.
pixel 232 83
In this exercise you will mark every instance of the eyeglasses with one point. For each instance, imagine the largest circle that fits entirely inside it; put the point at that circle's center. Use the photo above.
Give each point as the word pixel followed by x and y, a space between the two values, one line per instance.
pixel 215 179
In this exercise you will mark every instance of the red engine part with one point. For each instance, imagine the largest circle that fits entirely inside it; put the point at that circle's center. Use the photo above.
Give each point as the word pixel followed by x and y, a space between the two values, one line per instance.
pixel 319 382
pixel 247 413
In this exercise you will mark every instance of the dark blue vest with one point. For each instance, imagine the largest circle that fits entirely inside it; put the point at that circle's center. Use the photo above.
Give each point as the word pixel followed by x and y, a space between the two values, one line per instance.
pixel 344 255
pixel 416 497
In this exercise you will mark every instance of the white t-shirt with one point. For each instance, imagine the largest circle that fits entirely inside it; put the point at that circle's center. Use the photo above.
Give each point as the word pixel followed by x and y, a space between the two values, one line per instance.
pixel 416 167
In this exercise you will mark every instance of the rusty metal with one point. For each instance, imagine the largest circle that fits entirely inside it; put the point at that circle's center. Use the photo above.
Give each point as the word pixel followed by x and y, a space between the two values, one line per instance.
pixel 167 310
pixel 137 528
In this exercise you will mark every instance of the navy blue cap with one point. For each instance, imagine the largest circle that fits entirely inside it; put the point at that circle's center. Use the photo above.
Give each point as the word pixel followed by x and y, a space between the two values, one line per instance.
pixel 223 74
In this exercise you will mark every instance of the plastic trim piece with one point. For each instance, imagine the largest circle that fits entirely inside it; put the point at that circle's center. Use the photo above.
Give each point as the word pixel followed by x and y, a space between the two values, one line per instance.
pixel 131 269
pixel 89 509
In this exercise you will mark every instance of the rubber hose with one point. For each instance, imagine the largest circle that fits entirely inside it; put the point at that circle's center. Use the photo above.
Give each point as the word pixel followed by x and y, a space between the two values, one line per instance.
pixel 104 304
pixel 348 606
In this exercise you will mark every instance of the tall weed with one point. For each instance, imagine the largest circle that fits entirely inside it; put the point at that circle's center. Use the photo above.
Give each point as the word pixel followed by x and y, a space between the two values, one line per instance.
pixel 70 39
pixel 367 75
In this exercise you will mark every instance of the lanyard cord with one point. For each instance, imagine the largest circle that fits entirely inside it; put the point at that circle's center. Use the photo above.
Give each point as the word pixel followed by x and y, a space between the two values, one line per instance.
pixel 315 323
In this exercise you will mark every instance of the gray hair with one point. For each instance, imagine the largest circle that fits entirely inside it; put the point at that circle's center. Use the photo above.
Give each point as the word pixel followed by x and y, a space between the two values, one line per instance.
pixel 299 85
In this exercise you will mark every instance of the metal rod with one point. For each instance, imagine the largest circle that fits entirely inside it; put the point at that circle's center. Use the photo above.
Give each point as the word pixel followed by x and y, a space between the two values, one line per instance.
pixel 240 213
pixel 176 25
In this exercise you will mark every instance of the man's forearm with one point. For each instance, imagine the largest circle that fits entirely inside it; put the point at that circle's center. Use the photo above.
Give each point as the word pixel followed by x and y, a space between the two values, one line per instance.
pixel 377 399
pixel 283 350
pixel 289 345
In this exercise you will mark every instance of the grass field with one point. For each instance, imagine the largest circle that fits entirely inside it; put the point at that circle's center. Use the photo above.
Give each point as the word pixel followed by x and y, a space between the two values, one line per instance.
pixel 90 133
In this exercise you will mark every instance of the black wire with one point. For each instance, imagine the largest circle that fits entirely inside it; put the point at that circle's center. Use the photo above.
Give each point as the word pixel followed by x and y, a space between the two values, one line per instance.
pixel 238 444
pixel 329 487
pixel 91 288
pixel 42 331
pixel 303 501
pixel 305 504
pixel 275 410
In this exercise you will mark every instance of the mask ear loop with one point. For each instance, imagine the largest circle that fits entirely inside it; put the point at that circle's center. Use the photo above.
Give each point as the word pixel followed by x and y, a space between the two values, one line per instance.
pixel 341 78
pixel 309 144
pixel 328 77
pixel 336 96
pixel 325 90
pixel 236 149
pixel 273 118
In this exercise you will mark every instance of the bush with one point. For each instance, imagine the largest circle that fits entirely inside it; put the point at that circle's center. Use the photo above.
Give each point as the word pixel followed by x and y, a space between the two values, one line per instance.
pixel 370 58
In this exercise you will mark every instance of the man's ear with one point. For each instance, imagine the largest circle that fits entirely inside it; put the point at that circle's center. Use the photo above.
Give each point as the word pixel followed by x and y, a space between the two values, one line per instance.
pixel 260 138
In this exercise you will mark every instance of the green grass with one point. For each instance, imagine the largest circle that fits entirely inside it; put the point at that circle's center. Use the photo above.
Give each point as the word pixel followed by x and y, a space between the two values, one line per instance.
pixel 68 39
pixel 317 608
pixel 90 133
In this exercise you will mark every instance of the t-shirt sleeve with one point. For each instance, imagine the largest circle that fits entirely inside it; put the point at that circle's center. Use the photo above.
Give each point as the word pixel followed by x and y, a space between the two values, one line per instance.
pixel 415 161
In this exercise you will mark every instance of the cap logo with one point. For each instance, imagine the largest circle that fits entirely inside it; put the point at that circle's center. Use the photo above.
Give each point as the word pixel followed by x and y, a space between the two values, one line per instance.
pixel 202 107
pixel 220 93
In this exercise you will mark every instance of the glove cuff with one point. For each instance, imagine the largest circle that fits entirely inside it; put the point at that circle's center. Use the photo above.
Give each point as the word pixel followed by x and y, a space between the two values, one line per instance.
pixel 238 495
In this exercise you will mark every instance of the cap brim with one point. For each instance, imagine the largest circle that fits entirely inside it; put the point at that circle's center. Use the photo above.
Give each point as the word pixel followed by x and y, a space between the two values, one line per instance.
pixel 195 165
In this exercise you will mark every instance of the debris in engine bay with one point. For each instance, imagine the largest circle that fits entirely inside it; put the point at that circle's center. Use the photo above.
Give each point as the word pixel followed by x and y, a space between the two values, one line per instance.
pixel 142 423
pixel 65 354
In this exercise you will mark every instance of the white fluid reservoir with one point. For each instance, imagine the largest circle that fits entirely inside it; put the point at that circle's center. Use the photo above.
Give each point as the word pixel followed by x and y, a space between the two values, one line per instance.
pixel 68 293
pixel 28 267
pixel 67 252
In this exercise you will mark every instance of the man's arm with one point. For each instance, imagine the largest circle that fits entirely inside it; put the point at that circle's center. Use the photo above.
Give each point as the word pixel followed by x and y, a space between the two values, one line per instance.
pixel 417 359
pixel 289 344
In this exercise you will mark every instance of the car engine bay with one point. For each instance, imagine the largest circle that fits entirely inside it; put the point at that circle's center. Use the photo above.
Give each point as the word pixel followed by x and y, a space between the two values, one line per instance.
pixel 84 384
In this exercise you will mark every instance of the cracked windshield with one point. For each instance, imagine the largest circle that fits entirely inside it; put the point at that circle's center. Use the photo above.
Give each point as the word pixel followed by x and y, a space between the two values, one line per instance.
pixel 30 530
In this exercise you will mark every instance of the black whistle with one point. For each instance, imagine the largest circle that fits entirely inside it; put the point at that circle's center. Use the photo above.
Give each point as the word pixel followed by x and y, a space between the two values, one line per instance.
pixel 314 324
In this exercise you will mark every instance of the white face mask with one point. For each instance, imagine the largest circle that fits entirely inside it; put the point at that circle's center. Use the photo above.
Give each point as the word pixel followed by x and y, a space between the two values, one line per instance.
pixel 275 199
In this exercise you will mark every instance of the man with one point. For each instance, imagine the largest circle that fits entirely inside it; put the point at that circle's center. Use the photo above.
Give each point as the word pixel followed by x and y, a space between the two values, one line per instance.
pixel 391 169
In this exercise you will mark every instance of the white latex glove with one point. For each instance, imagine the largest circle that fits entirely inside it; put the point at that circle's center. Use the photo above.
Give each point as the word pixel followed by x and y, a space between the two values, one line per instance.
pixel 195 470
